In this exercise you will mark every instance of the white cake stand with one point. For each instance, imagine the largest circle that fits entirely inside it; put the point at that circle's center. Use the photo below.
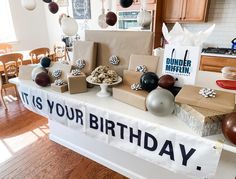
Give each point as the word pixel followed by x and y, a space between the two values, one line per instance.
pixel 104 86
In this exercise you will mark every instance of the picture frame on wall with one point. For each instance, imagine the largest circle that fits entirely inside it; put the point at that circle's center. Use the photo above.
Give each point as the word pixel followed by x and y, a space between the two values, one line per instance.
pixel 81 9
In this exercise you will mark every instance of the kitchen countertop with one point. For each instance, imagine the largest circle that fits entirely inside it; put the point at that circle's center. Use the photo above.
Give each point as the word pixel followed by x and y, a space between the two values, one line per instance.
pixel 218 55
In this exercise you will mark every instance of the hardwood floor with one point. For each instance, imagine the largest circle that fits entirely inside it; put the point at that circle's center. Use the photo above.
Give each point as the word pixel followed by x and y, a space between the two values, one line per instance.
pixel 26 151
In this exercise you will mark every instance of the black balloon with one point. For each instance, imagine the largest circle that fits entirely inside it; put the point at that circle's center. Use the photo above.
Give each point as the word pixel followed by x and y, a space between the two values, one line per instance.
pixel 149 81
pixel 47 1
pixel 53 7
pixel 42 79
pixel 126 3
pixel 45 62
pixel 111 18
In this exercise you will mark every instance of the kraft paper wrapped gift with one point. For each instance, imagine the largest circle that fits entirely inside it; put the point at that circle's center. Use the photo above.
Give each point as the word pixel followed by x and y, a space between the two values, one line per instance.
pixel 223 102
pixel 63 88
pixel 124 93
pixel 151 62
pixel 86 50
pixel 121 44
pixel 77 84
pixel 204 122
pixel 65 68
pixel 131 77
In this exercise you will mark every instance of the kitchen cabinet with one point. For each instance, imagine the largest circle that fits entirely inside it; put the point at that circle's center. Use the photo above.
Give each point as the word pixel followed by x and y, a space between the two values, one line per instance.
pixel 184 10
pixel 216 63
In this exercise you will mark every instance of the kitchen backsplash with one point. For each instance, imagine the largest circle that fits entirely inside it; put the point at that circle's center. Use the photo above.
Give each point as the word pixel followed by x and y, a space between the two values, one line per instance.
pixel 223 14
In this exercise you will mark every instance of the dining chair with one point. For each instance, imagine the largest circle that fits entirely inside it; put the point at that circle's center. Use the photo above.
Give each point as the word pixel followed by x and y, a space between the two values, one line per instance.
pixel 38 53
pixel 5 48
pixel 10 70
pixel 59 51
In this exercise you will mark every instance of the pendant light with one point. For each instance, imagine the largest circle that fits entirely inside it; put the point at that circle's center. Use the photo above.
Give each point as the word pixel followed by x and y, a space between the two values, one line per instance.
pixel 28 4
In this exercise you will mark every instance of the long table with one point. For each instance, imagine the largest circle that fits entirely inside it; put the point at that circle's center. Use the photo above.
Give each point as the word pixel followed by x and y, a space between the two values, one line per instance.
pixel 123 161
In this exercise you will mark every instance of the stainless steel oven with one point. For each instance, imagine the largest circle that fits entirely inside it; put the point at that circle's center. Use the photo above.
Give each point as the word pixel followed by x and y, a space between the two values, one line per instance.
pixel 128 20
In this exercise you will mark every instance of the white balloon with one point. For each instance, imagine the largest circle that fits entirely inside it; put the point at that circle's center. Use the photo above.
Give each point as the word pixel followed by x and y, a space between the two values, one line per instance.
pixel 144 18
pixel 102 21
pixel 29 4
pixel 69 26
pixel 160 102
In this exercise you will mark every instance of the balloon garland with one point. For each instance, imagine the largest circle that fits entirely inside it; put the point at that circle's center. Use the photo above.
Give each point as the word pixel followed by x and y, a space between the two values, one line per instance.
pixel 31 5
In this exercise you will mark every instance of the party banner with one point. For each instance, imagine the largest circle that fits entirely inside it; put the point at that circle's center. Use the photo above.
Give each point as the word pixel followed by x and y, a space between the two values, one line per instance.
pixel 174 150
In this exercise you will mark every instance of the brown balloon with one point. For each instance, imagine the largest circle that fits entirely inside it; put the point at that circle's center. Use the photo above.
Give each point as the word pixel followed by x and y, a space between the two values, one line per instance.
pixel 166 81
pixel 229 127
pixel 42 79
pixel 111 18
pixel 53 7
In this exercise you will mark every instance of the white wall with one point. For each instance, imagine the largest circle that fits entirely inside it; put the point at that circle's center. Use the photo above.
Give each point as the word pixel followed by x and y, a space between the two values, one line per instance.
pixel 30 26
pixel 54 29
pixel 223 14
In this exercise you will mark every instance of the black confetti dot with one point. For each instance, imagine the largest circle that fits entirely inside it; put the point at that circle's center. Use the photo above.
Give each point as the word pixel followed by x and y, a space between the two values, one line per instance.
pixel 199 168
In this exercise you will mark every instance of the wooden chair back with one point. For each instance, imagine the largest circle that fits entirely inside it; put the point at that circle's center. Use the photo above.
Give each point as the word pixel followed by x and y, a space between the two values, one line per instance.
pixel 38 53
pixel 60 51
pixel 5 48
pixel 10 65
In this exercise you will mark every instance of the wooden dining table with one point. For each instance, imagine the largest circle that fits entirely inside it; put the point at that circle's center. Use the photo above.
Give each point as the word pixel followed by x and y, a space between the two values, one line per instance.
pixel 26 57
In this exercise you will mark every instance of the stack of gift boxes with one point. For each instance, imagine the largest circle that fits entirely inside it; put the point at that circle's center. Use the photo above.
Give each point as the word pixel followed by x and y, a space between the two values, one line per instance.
pixel 74 76
pixel 124 91
pixel 203 112
pixel 200 112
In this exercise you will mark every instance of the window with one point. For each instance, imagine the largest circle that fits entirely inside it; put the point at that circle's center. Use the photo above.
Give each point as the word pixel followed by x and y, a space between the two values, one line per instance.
pixel 7 31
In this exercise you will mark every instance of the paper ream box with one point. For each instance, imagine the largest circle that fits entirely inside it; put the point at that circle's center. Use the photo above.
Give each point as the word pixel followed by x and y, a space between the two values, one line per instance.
pixel 61 89
pixel 202 121
pixel 223 102
pixel 121 44
pixel 124 93
pixel 86 50
pixel 77 84
pixel 134 98
pixel 65 68
pixel 131 77
pixel 151 62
